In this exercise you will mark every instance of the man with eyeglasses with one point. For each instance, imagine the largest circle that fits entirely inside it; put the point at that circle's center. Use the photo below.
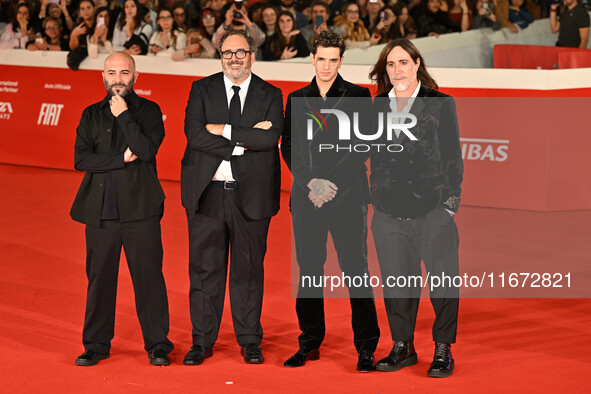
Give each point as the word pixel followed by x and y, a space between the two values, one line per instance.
pixel 330 193
pixel 230 180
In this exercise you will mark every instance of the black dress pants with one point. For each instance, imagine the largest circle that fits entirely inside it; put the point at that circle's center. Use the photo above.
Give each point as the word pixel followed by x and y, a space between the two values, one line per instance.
pixel 400 246
pixel 218 228
pixel 142 243
pixel 348 229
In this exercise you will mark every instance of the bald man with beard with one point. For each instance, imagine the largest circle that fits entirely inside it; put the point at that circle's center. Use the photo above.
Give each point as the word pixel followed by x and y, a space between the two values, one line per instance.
pixel 121 203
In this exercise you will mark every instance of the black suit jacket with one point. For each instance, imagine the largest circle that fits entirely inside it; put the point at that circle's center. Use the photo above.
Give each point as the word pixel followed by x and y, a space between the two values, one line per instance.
pixel 427 172
pixel 258 169
pixel 346 170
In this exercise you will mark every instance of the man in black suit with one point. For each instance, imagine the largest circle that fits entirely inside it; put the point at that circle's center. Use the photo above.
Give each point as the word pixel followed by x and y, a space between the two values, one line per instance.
pixel 230 182
pixel 416 192
pixel 121 202
pixel 330 193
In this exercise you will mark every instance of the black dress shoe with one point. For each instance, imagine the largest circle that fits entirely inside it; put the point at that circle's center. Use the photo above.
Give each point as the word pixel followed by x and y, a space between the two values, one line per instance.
pixel 90 357
pixel 158 357
pixel 365 362
pixel 402 355
pixel 197 354
pixel 303 354
pixel 252 353
pixel 443 362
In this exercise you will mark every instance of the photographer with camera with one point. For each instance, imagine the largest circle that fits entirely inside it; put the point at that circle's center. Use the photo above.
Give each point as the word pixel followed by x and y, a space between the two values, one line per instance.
pixel 236 18
pixel 571 24
pixel 484 16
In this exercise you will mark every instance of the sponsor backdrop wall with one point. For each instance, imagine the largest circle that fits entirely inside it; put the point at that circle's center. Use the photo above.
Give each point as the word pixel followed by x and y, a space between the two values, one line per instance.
pixel 524 133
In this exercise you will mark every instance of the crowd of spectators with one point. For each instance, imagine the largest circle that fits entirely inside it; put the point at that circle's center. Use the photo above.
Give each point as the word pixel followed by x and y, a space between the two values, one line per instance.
pixel 281 29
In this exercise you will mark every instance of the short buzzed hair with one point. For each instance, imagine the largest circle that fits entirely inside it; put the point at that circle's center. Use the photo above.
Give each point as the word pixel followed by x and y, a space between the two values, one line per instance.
pixel 328 39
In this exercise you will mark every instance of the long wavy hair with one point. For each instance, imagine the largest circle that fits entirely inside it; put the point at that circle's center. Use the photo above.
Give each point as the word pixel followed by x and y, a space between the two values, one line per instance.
pixel 379 74
pixel 94 17
pixel 174 30
pixel 137 19
pixel 15 24
pixel 278 41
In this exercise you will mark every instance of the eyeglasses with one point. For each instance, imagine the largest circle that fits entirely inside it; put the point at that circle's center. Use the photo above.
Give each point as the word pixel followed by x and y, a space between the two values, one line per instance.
pixel 240 54
pixel 208 16
pixel 52 28
pixel 165 17
pixel 179 13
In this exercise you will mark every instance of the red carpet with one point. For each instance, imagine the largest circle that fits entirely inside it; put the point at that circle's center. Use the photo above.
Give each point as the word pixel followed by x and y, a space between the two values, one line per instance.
pixel 512 345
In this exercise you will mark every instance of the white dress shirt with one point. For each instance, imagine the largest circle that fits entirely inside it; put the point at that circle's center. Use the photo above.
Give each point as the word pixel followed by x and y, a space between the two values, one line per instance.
pixel 407 107
pixel 224 171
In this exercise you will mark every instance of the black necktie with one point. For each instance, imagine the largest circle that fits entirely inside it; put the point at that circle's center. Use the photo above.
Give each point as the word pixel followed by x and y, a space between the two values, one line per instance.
pixel 235 110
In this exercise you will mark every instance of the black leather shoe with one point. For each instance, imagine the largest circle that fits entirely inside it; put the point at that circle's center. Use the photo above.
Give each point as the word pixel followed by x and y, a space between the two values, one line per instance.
pixel 402 355
pixel 197 354
pixel 365 362
pixel 158 357
pixel 303 354
pixel 443 362
pixel 90 357
pixel 252 353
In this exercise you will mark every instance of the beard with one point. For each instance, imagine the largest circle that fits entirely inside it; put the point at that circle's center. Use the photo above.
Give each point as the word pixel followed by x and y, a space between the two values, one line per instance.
pixel 237 75
pixel 287 3
pixel 402 85
pixel 126 89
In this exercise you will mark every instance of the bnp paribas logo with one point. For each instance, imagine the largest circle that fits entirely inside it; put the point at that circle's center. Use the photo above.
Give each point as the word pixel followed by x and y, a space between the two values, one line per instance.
pixel 393 124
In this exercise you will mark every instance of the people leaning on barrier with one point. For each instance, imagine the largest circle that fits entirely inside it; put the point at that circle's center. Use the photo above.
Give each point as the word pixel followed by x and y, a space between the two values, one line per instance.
pixel 131 34
pixel 83 24
pixel 52 39
pixel 286 42
pixel 18 33
pixel 167 39
pixel 100 35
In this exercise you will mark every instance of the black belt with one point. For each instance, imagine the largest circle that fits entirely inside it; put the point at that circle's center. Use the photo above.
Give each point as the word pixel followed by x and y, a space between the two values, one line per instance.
pixel 226 185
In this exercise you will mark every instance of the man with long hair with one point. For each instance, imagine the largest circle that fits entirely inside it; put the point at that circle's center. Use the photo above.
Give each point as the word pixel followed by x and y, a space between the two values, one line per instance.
pixel 415 193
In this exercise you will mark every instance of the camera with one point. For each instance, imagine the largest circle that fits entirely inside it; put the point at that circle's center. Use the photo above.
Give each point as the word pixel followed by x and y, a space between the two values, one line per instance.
pixel 488 8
